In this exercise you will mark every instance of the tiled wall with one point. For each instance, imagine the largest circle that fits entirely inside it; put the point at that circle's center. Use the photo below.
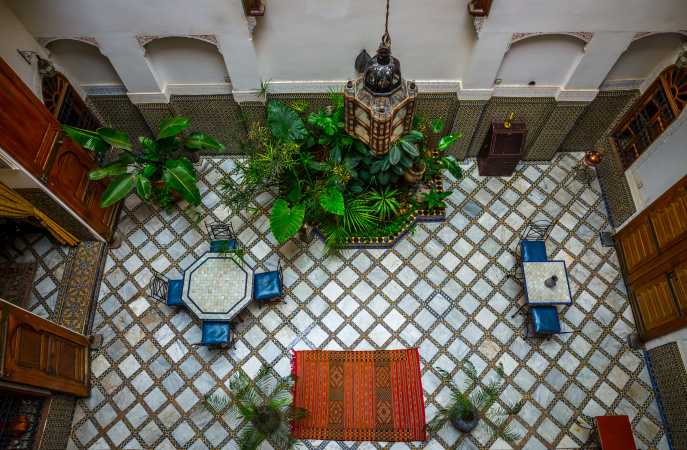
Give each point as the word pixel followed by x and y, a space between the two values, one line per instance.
pixel 552 126
pixel 670 379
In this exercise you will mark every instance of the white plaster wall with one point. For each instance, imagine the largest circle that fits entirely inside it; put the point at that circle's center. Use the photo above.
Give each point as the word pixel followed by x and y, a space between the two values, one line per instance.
pixel 547 60
pixel 85 63
pixel 13 37
pixel 181 60
pixel 666 165
pixel 643 55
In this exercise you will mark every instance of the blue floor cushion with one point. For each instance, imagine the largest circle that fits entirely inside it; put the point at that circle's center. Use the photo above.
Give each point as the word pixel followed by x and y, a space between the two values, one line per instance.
pixel 266 285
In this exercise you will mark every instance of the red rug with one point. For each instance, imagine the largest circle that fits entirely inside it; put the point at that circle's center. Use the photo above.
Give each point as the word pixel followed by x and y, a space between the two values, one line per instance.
pixel 359 396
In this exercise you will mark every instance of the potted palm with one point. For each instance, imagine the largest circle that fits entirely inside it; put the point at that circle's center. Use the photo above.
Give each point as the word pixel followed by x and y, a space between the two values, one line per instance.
pixel 476 403
pixel 156 174
pixel 269 417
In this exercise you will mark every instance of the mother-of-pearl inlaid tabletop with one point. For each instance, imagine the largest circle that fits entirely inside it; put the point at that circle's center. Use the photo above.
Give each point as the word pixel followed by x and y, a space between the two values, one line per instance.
pixel 217 287
pixel 537 291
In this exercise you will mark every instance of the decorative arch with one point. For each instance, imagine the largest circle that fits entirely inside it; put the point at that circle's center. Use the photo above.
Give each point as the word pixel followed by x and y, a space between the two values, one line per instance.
pixel 647 55
pixel 583 35
pixel 65 103
pixel 143 41
pixel 643 34
pixel 201 61
pixel 44 41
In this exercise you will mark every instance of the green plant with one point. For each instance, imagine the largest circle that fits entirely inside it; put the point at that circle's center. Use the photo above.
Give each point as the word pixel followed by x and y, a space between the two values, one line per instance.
pixel 264 89
pixel 443 162
pixel 390 166
pixel 483 399
pixel 435 198
pixel 157 164
pixel 268 412
pixel 384 203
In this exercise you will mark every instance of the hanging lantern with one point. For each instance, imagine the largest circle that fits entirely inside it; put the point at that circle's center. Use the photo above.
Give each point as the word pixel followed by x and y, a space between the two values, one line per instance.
pixel 379 106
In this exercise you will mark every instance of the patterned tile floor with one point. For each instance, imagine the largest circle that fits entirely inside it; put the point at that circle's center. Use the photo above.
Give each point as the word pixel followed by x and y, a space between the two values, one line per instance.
pixel 442 289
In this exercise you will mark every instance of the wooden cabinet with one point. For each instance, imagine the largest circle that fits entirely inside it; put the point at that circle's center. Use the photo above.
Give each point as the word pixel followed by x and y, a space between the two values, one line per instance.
pixel 502 149
pixel 40 353
pixel 653 256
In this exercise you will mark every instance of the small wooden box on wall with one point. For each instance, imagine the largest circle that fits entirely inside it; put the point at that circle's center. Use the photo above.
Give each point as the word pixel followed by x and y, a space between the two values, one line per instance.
pixel 502 149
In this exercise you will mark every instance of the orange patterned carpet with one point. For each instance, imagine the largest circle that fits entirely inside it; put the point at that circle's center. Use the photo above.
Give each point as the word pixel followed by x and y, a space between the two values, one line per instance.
pixel 359 396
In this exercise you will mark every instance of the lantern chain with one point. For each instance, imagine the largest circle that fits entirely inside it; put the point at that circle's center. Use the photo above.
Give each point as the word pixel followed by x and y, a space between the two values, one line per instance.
pixel 386 38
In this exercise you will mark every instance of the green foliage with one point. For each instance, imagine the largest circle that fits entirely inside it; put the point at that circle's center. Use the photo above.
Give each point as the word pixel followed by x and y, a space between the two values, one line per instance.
pixel 435 198
pixel 265 407
pixel 384 202
pixel 332 201
pixel 389 167
pixel 285 222
pixel 483 398
pixel 138 171
pixel 285 123
pixel 263 90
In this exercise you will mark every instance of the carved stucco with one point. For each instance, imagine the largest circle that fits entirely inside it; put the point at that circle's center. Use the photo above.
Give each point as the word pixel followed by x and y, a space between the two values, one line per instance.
pixel 209 38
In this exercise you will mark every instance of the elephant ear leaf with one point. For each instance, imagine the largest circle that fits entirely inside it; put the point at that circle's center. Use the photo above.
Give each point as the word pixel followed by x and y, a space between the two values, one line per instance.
pixel 176 176
pixel 87 139
pixel 332 201
pixel 115 138
pixel 199 141
pixel 118 189
pixel 172 126
pixel 284 223
pixel 285 123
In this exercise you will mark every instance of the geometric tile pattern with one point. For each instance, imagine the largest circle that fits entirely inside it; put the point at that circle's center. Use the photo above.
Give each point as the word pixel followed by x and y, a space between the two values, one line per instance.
pixel 433 106
pixel 670 377
pixel 561 120
pixel 442 289
pixel 216 115
pixel 47 205
pixel 254 111
pixel 466 121
pixel 532 111
pixel 154 113
pixel 117 111
pixel 594 123
pixel 58 424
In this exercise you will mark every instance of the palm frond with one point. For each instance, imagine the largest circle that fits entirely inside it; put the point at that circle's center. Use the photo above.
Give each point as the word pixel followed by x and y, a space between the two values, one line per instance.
pixel 263 379
pixel 439 421
pixel 502 429
pixel 250 438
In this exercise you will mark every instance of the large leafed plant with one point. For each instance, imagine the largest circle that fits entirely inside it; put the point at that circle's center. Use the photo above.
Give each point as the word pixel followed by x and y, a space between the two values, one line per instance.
pixel 142 171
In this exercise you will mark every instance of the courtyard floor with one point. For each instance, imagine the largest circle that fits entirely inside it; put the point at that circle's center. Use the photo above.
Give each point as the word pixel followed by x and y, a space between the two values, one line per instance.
pixel 442 289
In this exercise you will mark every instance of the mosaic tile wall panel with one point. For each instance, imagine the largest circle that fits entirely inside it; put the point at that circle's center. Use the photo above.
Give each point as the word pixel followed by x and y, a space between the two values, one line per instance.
pixel 154 113
pixel 670 378
pixel 118 112
pixel 316 101
pixel 254 111
pixel 443 289
pixel 554 131
pixel 467 118
pixel 533 111
pixel 57 426
pixel 48 206
pixel 595 120
pixel 437 105
pixel 216 115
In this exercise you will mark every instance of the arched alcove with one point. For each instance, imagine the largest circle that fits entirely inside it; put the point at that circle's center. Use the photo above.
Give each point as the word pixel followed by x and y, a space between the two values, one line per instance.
pixel 643 55
pixel 181 60
pixel 84 62
pixel 546 59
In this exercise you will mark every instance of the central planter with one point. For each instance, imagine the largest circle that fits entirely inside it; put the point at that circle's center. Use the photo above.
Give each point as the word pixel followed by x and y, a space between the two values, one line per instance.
pixel 464 425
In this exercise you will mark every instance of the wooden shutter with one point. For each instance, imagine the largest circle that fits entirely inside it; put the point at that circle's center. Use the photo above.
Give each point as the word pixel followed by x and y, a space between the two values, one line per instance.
pixel 655 301
pixel 669 219
pixel 679 282
pixel 638 244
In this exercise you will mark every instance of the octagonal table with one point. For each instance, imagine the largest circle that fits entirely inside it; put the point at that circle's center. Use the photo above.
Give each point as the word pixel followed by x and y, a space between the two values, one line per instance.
pixel 216 287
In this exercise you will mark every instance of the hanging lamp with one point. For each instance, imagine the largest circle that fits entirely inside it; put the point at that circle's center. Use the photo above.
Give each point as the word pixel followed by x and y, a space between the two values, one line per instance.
pixel 379 106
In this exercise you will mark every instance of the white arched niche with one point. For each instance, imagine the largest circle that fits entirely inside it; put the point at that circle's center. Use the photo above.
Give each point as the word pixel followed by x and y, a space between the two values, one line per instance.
pixel 182 60
pixel 84 63
pixel 548 60
pixel 643 55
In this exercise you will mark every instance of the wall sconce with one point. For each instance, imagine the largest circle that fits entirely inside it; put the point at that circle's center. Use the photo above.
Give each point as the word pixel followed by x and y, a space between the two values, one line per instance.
pixel 45 67
pixel 361 61
pixel 681 62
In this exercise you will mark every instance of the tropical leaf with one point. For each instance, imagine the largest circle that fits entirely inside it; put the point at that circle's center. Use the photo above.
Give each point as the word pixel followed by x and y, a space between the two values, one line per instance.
pixel 450 163
pixel 410 148
pixel 285 123
pixel 437 125
pixel 87 139
pixel 118 189
pixel 332 201
pixel 199 140
pixel 394 155
pixel 149 170
pixel 167 145
pixel 188 165
pixel 127 158
pixel 114 168
pixel 143 187
pixel 413 136
pixel 284 223
pixel 376 166
pixel 176 176
pixel 150 148
pixel 335 154
pixel 446 141
pixel 115 138
pixel 172 126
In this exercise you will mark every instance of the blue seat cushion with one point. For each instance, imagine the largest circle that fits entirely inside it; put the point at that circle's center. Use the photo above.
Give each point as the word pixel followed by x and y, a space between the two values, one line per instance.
pixel 266 285
pixel 174 293
pixel 217 246
pixel 545 319
pixel 215 332
pixel 533 251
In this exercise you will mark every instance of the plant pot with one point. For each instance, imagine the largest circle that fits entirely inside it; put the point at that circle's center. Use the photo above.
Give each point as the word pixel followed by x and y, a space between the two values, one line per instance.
pixel 463 425
pixel 413 176
pixel 175 194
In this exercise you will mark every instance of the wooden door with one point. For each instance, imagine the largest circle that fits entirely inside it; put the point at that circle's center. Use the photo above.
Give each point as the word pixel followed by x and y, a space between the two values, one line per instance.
pixel 29 132
pixel 669 219
pixel 655 301
pixel 638 244
pixel 678 280
pixel 38 352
